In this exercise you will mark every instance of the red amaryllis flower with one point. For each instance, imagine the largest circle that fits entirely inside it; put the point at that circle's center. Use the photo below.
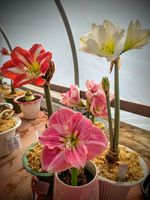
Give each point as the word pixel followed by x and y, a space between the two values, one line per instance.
pixel 27 66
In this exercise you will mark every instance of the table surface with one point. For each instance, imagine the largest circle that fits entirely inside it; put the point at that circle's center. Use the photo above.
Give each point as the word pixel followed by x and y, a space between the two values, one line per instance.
pixel 15 182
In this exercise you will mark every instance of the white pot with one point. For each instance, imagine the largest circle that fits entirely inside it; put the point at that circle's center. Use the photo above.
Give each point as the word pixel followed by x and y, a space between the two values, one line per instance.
pixel 30 109
pixel 88 191
pixel 9 105
pixel 4 148
pixel 114 190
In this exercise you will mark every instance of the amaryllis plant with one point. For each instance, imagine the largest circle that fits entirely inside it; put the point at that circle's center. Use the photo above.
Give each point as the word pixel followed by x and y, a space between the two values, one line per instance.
pixel 69 141
pixel 31 66
pixel 110 41
pixel 95 103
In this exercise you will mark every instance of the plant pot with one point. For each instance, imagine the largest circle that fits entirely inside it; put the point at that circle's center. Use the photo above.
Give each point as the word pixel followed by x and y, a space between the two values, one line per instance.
pixel 4 106
pixel 41 176
pixel 4 150
pixel 145 186
pixel 88 191
pixel 30 109
pixel 9 98
pixel 116 190
pixel 3 91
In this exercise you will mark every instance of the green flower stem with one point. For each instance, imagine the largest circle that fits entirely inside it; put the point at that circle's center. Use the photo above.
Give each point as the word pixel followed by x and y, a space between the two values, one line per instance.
pixel 74 174
pixel 10 49
pixel 48 100
pixel 92 118
pixel 117 108
pixel 110 122
pixel 1 83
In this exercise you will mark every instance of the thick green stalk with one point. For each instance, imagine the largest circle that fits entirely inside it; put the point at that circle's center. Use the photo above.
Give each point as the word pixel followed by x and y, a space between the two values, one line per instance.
pixel 92 118
pixel 110 122
pixel 74 175
pixel 117 108
pixel 10 49
pixel 48 100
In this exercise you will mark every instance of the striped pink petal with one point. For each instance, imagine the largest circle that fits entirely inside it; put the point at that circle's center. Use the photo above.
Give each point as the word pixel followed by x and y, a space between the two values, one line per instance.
pixel 97 142
pixel 53 137
pixel 61 116
pixel 80 126
pixel 76 156
pixel 53 160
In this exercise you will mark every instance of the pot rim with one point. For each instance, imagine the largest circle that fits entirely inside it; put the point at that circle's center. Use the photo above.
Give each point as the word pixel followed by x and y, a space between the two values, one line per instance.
pixel 71 186
pixel 28 168
pixel 18 120
pixel 129 183
pixel 16 100
pixel 10 106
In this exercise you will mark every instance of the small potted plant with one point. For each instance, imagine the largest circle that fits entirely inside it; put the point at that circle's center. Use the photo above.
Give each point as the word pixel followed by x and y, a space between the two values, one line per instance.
pixel 120 167
pixel 29 104
pixel 8 125
pixel 68 143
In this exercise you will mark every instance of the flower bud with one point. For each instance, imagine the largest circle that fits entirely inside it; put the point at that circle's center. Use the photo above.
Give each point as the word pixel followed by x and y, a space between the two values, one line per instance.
pixel 4 52
pixel 29 96
pixel 106 85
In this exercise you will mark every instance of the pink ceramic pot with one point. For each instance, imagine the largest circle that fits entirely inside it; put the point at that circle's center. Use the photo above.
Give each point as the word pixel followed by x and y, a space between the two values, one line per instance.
pixel 88 191
pixel 30 109
pixel 113 190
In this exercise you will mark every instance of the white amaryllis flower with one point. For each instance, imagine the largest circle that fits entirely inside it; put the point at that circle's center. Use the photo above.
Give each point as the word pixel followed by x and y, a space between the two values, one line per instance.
pixel 105 40
pixel 136 36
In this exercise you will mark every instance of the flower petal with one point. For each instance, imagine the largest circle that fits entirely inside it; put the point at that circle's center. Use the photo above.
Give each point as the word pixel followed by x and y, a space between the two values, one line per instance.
pixel 36 50
pixel 53 160
pixel 9 70
pixel 44 60
pixel 21 57
pixel 136 36
pixel 79 126
pixel 39 81
pixel 53 137
pixel 76 156
pixel 97 142
pixel 61 116
pixel 21 80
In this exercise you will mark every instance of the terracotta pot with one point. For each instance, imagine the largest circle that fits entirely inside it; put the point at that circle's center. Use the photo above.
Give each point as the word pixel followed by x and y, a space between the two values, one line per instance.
pixel 4 150
pixel 115 190
pixel 88 191
pixel 30 109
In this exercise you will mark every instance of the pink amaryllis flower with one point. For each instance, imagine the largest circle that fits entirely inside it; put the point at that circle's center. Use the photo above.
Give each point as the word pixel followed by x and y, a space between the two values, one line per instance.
pixel 98 106
pixel 72 97
pixel 96 99
pixel 27 66
pixel 93 88
pixel 69 141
